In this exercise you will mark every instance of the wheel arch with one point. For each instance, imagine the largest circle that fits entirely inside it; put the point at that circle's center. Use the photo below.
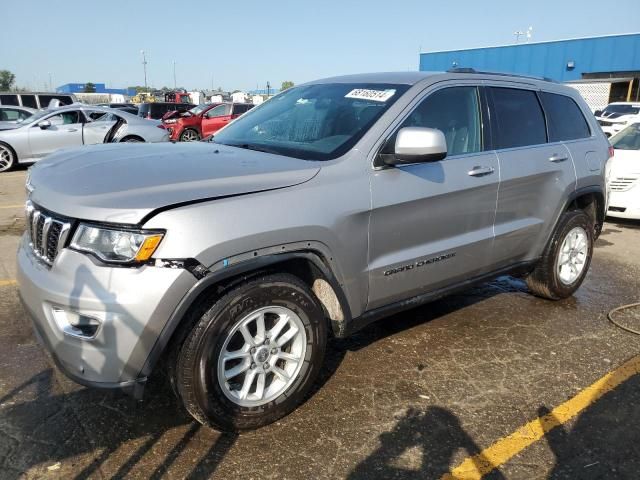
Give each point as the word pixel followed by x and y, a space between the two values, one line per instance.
pixel 592 201
pixel 308 265
pixel 128 137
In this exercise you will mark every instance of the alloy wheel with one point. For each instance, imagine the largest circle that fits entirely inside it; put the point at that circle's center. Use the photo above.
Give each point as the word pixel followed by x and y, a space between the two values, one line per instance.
pixel 573 255
pixel 262 356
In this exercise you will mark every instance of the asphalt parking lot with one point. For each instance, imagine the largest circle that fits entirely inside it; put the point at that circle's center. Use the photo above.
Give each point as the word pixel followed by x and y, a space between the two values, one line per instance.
pixel 492 381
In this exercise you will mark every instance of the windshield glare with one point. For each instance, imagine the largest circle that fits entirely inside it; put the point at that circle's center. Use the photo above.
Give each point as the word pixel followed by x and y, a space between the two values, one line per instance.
pixel 627 139
pixel 314 122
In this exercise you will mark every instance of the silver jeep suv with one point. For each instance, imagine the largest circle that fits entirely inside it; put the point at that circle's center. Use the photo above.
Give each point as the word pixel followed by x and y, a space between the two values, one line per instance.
pixel 332 205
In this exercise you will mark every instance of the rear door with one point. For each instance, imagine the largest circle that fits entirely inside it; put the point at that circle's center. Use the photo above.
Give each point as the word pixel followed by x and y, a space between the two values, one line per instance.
pixel 97 130
pixel 432 223
pixel 215 119
pixel 537 175
pixel 65 131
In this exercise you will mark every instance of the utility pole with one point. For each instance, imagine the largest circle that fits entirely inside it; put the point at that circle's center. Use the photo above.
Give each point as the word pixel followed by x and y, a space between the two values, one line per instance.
pixel 175 84
pixel 144 65
pixel 518 34
pixel 268 89
pixel 50 83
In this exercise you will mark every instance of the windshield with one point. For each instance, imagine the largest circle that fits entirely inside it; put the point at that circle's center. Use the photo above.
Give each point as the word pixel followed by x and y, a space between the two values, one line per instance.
pixel 627 139
pixel 36 116
pixel 314 122
pixel 622 109
pixel 198 108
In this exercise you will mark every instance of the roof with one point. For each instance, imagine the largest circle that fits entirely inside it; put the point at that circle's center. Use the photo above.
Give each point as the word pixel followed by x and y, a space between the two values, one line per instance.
pixel 532 43
pixel 406 78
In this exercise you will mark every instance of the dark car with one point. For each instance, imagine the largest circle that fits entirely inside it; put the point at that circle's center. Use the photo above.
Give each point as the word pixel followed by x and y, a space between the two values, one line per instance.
pixel 156 110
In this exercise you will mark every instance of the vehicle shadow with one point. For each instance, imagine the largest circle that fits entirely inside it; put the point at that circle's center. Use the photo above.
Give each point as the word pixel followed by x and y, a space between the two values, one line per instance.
pixel 118 436
pixel 604 441
pixel 438 436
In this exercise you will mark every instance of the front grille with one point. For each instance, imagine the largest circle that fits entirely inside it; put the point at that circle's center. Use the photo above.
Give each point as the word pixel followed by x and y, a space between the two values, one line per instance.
pixel 622 184
pixel 47 233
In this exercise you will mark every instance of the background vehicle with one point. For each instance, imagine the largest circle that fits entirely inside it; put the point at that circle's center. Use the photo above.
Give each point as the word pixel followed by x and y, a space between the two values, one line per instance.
pixel 11 115
pixel 617 116
pixel 188 126
pixel 157 110
pixel 49 130
pixel 143 97
pixel 35 99
pixel 624 176
pixel 220 116
pixel 333 204
pixel 177 97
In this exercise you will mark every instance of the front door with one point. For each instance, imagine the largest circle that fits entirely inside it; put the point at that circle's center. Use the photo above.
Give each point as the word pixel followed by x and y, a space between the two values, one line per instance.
pixel 65 131
pixel 432 223
pixel 215 119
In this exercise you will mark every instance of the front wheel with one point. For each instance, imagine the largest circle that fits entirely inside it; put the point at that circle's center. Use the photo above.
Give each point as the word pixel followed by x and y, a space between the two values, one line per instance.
pixel 189 135
pixel 253 356
pixel 565 262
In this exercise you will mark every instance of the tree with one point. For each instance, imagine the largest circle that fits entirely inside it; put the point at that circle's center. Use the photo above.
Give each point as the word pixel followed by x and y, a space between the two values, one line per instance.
pixel 140 89
pixel 286 84
pixel 89 88
pixel 7 80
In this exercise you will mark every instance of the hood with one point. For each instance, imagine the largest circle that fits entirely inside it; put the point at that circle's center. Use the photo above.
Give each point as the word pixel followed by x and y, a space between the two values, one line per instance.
pixel 123 183
pixel 625 162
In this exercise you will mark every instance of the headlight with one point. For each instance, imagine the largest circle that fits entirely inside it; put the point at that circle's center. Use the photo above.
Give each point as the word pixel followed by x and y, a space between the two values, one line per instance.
pixel 117 246
pixel 171 120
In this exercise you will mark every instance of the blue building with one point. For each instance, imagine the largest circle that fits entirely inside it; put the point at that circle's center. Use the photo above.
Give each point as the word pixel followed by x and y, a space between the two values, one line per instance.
pixel 100 88
pixel 580 59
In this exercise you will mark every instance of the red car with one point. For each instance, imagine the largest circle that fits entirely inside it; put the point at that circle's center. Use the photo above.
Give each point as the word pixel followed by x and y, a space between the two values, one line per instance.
pixel 202 120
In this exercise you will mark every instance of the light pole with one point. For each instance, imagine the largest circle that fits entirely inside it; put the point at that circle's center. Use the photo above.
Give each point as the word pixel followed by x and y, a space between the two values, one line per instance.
pixel 268 88
pixel 50 83
pixel 518 34
pixel 175 84
pixel 144 65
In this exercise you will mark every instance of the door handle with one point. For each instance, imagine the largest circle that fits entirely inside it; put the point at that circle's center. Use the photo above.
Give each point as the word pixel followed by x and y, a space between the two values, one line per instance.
pixel 480 171
pixel 556 157
pixel 72 129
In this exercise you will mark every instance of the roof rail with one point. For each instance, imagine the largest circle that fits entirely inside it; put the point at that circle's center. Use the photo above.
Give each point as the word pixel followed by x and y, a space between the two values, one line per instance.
pixel 517 75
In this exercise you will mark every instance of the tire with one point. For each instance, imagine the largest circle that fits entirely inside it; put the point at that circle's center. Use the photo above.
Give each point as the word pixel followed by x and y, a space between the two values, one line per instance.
pixel 7 157
pixel 189 135
pixel 132 139
pixel 200 374
pixel 554 277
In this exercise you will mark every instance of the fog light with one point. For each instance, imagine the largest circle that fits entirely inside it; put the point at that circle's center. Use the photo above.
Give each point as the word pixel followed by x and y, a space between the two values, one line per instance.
pixel 75 324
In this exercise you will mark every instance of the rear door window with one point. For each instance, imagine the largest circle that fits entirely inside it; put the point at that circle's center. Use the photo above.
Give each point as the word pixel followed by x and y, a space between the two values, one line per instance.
pixel 564 118
pixel 10 115
pixel 518 117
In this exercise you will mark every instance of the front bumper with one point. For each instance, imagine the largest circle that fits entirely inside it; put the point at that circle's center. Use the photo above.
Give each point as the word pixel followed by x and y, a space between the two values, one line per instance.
pixel 628 202
pixel 131 304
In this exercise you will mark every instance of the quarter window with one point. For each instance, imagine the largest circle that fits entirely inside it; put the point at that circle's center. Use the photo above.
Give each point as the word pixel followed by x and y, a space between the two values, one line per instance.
pixel 456 112
pixel 519 118
pixel 564 118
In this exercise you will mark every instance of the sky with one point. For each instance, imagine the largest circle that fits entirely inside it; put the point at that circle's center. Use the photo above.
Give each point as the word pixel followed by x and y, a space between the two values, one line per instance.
pixel 245 43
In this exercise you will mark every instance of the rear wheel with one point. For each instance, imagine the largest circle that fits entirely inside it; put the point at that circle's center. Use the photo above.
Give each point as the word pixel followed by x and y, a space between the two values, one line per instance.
pixel 7 157
pixel 253 356
pixel 566 260
pixel 132 139
pixel 189 135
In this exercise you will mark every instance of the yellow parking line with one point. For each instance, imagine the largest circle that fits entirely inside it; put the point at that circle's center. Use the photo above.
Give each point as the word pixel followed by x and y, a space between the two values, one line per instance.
pixel 6 283
pixel 12 206
pixel 476 466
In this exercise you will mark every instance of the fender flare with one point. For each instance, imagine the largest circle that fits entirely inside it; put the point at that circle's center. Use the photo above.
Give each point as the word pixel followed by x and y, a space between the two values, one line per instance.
pixel 245 267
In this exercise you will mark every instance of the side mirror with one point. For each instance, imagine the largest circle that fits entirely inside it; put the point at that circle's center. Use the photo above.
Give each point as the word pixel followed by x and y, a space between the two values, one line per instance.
pixel 418 144
pixel 597 113
pixel 44 124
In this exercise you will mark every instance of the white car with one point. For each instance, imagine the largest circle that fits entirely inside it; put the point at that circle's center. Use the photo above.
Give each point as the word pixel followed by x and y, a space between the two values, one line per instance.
pixel 46 131
pixel 616 116
pixel 624 174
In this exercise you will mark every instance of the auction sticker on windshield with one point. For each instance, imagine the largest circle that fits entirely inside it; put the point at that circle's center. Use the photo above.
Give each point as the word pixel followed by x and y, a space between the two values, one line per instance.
pixel 375 95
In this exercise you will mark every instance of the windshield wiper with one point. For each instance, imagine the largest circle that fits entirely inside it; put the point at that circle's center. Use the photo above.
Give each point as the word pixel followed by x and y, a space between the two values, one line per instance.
pixel 256 148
